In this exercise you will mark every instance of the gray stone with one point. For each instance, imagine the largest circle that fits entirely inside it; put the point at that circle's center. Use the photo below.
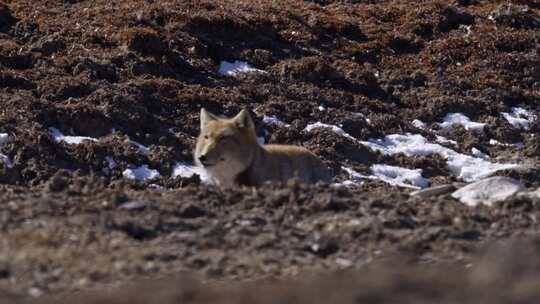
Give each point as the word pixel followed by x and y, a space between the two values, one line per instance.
pixel 488 191
pixel 434 191
pixel 532 194
pixel 134 205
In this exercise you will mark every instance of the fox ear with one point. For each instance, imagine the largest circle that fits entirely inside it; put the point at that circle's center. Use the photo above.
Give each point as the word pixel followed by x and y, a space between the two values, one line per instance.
pixel 243 120
pixel 206 117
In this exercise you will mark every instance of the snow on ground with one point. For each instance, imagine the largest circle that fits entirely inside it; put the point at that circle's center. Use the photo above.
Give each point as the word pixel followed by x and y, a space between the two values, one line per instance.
pixel 410 178
pixel 143 149
pixel 452 119
pixel 495 142
pixel 5 159
pixel 419 124
pixel 156 187
pixel 479 153
pixel 72 140
pixel 187 170
pixel 397 176
pixel 465 167
pixel 237 67
pixel 4 138
pixel 519 117
pixel 273 120
pixel 444 140
pixel 346 183
pixel 141 174
pixel 356 177
pixel 111 163
pixel 335 129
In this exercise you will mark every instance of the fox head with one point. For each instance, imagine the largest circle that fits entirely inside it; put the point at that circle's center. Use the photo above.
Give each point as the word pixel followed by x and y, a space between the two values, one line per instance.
pixel 226 145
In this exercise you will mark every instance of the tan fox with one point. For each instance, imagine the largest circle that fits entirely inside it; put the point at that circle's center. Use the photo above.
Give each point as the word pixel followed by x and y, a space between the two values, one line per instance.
pixel 228 150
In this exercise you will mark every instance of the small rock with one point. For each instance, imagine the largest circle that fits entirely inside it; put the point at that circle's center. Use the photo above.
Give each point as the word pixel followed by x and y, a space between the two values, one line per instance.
pixel 344 262
pixel 57 183
pixel 434 191
pixel 35 292
pixel 5 271
pixel 191 211
pixel 488 191
pixel 323 248
pixel 134 205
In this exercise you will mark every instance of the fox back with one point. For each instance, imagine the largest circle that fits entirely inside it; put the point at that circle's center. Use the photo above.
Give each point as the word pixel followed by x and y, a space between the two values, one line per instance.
pixel 228 150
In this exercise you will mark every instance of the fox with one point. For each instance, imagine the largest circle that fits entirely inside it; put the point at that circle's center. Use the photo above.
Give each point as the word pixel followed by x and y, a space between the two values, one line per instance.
pixel 227 149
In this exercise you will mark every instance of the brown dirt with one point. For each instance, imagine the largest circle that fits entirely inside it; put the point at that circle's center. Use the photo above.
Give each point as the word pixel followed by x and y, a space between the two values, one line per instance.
pixel 141 70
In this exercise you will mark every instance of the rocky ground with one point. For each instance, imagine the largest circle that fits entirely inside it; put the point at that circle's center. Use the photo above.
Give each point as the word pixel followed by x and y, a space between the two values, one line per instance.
pixel 100 104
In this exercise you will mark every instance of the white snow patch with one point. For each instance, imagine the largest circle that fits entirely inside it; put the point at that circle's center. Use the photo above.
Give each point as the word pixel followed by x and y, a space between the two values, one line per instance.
pixel 356 177
pixel 5 159
pixel 111 163
pixel 452 119
pixel 322 108
pixel 346 183
pixel 465 167
pixel 143 149
pixel 141 173
pixel 273 120
pixel 335 129
pixel 409 178
pixel 237 67
pixel 495 142
pixel 396 176
pixel 4 138
pixel 479 153
pixel 519 117
pixel 260 140
pixel 466 28
pixel 187 170
pixel 419 124
pixel 156 187
pixel 72 140
pixel 444 140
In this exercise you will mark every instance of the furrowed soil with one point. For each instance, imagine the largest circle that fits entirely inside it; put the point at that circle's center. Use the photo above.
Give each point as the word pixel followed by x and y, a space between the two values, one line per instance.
pixel 139 71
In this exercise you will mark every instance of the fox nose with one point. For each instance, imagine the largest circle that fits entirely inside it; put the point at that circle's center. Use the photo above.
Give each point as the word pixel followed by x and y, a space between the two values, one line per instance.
pixel 202 159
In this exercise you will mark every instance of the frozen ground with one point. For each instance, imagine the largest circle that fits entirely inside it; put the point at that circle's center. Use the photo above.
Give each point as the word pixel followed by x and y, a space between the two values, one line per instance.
pixel 393 96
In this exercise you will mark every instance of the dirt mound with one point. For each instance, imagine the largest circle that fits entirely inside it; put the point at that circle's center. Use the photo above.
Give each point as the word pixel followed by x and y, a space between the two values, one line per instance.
pixel 501 268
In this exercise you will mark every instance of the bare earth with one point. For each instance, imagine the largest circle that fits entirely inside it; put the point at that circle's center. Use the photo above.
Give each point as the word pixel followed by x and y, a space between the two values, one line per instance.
pixel 141 70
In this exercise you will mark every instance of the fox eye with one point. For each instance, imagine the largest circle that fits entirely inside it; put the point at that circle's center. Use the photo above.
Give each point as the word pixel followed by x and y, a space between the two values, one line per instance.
pixel 206 137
